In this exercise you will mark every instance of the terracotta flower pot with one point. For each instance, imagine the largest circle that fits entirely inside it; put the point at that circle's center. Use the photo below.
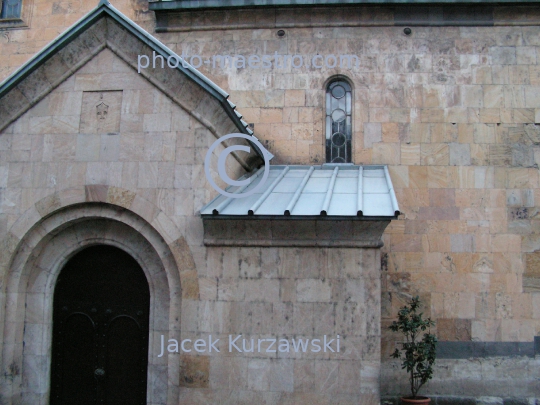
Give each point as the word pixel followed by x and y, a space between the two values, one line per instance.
pixel 415 401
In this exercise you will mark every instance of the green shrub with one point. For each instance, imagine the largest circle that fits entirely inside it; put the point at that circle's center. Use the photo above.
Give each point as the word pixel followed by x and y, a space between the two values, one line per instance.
pixel 417 352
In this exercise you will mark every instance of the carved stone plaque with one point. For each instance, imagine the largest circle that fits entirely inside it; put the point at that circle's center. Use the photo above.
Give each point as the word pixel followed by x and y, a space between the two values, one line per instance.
pixel 101 112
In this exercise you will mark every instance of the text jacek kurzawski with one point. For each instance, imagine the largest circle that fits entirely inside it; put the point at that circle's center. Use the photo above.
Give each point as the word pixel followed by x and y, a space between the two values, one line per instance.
pixel 236 343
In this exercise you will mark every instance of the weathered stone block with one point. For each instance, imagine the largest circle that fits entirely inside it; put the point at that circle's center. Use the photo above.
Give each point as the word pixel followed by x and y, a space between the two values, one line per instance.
pixel 522 155
pixel 503 55
pixel 462 243
pixel 194 371
pixel 532 264
pixel 443 197
pixel 500 155
pixel 372 134
pixel 460 154
pixel 434 154
pixel 454 329
pixel 312 290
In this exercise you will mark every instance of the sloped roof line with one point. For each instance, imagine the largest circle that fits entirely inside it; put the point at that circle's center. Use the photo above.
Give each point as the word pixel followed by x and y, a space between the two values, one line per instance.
pixel 42 56
pixel 154 42
pixel 104 7
pixel 311 192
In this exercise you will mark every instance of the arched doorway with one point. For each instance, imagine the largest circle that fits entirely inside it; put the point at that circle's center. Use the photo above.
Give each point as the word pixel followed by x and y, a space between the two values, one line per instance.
pixel 100 330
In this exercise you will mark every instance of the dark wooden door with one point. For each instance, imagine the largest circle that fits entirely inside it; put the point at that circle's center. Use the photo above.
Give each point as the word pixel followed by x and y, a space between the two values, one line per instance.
pixel 100 330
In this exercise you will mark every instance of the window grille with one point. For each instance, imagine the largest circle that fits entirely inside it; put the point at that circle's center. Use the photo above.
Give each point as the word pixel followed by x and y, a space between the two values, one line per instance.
pixel 11 9
pixel 338 122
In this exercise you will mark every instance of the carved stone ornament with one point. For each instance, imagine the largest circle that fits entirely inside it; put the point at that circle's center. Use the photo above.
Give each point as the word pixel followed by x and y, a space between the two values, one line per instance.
pixel 4 37
pixel 102 110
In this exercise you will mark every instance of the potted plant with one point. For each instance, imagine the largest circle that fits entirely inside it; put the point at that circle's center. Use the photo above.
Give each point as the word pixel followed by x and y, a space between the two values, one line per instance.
pixel 417 352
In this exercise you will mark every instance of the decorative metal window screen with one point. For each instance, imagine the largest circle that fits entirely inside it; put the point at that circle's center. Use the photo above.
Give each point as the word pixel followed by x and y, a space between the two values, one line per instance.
pixel 338 122
pixel 11 8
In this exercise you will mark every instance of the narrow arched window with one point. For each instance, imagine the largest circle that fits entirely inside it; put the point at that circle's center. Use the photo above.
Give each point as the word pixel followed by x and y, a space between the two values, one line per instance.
pixel 338 122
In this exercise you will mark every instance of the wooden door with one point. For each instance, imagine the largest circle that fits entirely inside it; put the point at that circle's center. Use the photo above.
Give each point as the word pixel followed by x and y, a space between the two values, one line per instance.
pixel 100 330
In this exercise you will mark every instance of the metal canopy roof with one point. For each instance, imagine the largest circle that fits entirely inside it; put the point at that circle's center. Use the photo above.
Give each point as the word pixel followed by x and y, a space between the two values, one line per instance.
pixel 313 191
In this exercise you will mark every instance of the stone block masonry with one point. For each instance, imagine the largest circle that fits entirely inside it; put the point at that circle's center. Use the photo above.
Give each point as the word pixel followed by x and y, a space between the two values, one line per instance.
pixel 452 108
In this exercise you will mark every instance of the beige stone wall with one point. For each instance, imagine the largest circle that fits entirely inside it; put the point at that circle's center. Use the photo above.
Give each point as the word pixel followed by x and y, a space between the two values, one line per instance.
pixel 108 158
pixel 452 110
pixel 59 143
pixel 491 380
pixel 48 157
pixel 287 293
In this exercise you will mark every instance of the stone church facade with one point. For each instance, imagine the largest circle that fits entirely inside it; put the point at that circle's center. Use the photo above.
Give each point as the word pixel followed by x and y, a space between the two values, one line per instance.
pixel 96 151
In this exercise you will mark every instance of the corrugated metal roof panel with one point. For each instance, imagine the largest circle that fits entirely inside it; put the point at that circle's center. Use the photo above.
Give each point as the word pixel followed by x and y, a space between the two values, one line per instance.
pixel 377 204
pixel 307 191
pixel 375 185
pixel 309 204
pixel 342 205
pixel 288 184
pixel 346 185
pixel 275 204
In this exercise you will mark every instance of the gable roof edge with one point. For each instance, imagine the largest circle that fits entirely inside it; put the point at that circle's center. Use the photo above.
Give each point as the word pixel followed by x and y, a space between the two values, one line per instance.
pixel 104 7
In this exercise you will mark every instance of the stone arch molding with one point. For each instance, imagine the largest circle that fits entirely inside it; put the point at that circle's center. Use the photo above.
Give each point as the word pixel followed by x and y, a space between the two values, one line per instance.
pixel 36 248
